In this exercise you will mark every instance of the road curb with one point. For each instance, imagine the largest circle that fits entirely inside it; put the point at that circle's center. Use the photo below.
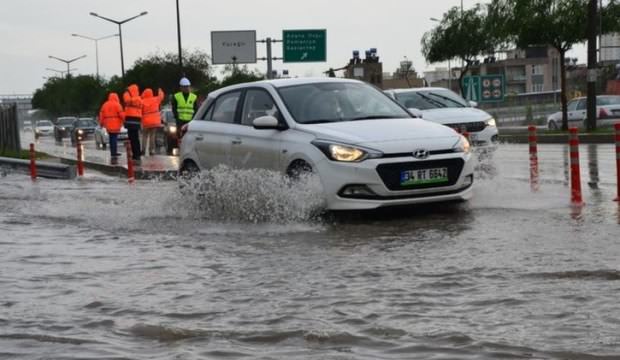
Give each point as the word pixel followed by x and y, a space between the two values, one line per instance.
pixel 121 170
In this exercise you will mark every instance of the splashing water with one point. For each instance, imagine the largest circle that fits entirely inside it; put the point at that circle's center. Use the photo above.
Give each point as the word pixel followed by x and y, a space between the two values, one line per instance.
pixel 257 195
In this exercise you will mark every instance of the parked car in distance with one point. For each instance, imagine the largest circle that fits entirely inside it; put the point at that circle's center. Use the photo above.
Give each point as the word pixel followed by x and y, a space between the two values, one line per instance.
pixel 365 148
pixel 82 129
pixel 607 112
pixel 102 138
pixel 63 127
pixel 167 134
pixel 43 128
pixel 445 107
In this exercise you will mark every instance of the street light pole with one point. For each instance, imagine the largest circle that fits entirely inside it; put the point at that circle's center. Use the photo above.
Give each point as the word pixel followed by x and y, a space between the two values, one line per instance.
pixel 61 72
pixel 120 33
pixel 179 39
pixel 96 40
pixel 68 62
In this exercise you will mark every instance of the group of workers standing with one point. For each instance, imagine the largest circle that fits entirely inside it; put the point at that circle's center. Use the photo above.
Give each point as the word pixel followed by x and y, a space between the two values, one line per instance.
pixel 142 112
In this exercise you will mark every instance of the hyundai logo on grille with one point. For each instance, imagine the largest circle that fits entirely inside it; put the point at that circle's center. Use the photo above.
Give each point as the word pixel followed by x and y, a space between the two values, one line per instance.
pixel 420 154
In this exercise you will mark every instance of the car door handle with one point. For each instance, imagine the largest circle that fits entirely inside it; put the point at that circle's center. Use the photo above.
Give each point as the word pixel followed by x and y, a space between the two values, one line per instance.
pixel 237 141
pixel 199 138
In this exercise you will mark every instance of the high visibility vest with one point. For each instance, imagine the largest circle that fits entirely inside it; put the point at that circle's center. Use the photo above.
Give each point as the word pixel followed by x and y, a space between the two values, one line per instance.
pixel 185 109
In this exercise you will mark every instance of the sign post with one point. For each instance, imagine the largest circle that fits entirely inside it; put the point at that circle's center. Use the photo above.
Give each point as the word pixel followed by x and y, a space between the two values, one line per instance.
pixel 304 45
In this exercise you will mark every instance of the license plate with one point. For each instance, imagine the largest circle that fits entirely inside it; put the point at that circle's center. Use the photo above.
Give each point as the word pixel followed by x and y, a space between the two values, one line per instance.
pixel 424 176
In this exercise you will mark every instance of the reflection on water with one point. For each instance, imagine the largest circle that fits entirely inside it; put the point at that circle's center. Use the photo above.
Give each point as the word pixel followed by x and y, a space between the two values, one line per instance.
pixel 593 166
pixel 566 163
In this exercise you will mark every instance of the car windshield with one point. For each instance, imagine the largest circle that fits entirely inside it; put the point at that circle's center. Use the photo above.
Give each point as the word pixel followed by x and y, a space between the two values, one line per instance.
pixel 338 101
pixel 85 123
pixel 44 123
pixel 65 121
pixel 607 100
pixel 431 99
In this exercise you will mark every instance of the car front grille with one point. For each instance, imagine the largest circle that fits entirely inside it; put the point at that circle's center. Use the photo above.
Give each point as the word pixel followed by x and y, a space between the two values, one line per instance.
pixel 469 127
pixel 390 173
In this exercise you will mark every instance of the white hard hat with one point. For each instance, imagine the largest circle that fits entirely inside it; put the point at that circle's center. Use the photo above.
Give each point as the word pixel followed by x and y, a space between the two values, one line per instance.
pixel 184 82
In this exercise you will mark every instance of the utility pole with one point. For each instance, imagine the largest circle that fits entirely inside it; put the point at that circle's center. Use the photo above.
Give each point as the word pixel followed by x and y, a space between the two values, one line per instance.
pixel 592 72
pixel 268 41
pixel 179 40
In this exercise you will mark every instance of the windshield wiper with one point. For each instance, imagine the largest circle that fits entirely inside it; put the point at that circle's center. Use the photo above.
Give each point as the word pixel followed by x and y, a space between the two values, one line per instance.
pixel 373 117
pixel 447 98
pixel 434 101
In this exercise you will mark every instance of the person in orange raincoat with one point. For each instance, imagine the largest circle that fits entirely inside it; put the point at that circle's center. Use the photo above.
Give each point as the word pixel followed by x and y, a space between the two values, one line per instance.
pixel 111 117
pixel 151 119
pixel 133 119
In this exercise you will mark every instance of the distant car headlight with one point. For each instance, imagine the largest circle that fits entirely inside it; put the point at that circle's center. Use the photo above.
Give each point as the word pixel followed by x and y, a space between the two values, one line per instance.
pixel 80 131
pixel 491 122
pixel 346 153
pixel 172 129
pixel 62 128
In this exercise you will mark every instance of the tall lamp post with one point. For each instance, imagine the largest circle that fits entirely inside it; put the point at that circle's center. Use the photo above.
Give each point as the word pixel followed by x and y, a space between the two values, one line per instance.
pixel 120 33
pixel 68 62
pixel 179 39
pixel 61 72
pixel 96 40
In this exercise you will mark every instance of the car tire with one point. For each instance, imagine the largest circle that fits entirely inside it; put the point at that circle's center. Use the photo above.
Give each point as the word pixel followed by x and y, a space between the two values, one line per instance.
pixel 553 125
pixel 298 169
pixel 189 170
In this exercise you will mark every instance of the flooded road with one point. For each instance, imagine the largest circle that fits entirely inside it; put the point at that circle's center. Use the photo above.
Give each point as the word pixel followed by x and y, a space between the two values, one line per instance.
pixel 98 269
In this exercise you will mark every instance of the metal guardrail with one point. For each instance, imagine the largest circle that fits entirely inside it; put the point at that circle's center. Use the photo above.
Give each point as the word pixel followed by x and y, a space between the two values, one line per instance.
pixel 44 169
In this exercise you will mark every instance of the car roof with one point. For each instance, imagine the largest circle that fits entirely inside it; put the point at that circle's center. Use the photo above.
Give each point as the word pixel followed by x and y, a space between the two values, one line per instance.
pixel 280 83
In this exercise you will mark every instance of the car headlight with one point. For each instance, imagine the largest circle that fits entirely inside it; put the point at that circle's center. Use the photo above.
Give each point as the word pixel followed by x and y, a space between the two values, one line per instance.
pixel 346 153
pixel 491 122
pixel 462 145
pixel 172 129
pixel 62 129
pixel 80 131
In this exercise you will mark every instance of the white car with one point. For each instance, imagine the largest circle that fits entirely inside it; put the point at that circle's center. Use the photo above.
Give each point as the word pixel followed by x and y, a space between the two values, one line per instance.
pixel 445 107
pixel 607 112
pixel 102 138
pixel 43 128
pixel 367 150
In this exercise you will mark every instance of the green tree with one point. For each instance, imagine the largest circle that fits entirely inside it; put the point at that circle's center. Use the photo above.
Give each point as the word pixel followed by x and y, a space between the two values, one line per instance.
pixel 557 23
pixel 462 35
pixel 80 95
pixel 161 70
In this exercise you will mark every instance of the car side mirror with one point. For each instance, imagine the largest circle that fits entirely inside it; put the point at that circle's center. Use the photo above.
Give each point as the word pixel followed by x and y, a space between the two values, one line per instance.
pixel 473 104
pixel 416 112
pixel 266 122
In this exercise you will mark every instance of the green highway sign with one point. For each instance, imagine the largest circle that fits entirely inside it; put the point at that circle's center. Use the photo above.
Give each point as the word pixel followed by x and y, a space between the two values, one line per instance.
pixel 484 88
pixel 471 88
pixel 493 88
pixel 304 45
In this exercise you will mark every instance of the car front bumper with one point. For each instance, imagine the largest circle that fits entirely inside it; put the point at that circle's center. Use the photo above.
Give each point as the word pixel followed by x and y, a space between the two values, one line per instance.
pixel 382 189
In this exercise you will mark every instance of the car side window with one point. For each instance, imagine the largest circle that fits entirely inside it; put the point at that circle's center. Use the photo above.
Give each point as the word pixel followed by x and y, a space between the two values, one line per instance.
pixel 208 114
pixel 225 108
pixel 258 103
pixel 572 105
pixel 581 105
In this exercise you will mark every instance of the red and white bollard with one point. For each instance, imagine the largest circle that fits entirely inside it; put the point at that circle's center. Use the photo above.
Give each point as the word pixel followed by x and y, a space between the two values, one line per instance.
pixel 617 127
pixel 80 163
pixel 33 165
pixel 533 140
pixel 130 174
pixel 575 170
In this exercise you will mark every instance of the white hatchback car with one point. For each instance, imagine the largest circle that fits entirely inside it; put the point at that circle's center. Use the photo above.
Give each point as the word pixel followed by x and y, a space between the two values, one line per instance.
pixel 445 107
pixel 367 150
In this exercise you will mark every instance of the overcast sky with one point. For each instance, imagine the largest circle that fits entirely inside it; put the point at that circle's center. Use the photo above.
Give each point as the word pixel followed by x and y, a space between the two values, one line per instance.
pixel 30 30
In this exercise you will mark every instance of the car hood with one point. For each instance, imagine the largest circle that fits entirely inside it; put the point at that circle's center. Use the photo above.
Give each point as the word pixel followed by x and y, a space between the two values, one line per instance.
pixel 455 115
pixel 389 135
pixel 45 128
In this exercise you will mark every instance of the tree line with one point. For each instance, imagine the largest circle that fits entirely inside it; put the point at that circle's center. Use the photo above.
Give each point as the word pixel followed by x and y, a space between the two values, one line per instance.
pixel 83 95
pixel 486 29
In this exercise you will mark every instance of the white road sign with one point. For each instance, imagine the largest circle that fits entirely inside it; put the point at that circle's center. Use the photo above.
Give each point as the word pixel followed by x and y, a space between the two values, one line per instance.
pixel 233 47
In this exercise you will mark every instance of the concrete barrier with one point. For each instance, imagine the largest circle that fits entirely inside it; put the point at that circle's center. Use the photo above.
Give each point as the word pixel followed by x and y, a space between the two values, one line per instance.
pixel 44 169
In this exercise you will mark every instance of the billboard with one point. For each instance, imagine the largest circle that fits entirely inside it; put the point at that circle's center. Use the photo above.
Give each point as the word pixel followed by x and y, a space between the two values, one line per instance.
pixel 233 47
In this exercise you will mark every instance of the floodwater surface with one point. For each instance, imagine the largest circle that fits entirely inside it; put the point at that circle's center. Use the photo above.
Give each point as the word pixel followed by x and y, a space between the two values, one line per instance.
pixel 251 268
